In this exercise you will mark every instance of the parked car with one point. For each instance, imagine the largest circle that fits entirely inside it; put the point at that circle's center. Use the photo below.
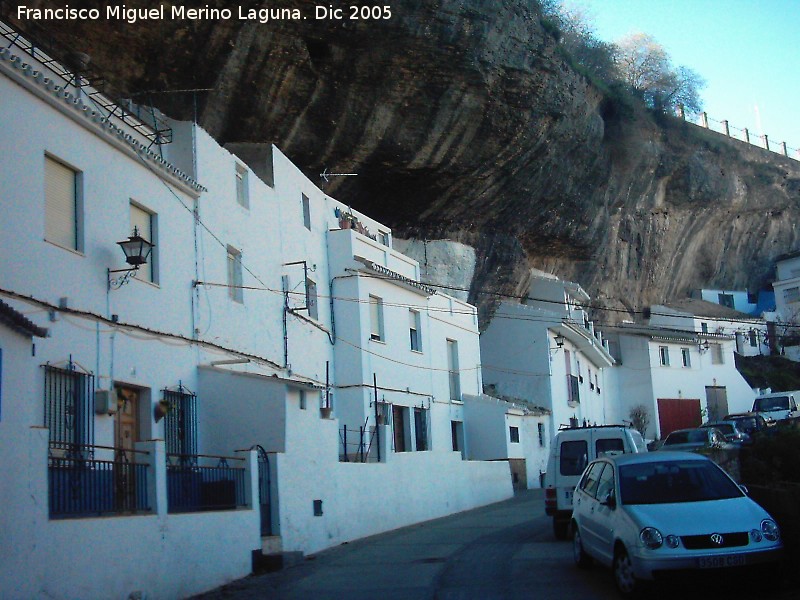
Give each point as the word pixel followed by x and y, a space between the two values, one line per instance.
pixel 777 406
pixel 730 430
pixel 749 422
pixel 653 513
pixel 570 452
pixel 694 439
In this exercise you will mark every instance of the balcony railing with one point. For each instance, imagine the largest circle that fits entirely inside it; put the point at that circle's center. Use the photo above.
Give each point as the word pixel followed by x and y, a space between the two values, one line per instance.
pixel 192 487
pixel 83 486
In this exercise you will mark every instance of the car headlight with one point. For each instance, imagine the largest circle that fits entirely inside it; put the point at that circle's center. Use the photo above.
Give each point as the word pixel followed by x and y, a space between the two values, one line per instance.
pixel 651 537
pixel 755 535
pixel 770 530
pixel 672 541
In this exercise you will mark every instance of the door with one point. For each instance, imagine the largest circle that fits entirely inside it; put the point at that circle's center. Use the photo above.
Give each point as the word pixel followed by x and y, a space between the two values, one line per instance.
pixel 717 398
pixel 399 427
pixel 126 434
pixel 677 413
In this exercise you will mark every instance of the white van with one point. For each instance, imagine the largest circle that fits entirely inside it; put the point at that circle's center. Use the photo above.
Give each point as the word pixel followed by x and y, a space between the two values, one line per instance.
pixel 777 406
pixel 572 449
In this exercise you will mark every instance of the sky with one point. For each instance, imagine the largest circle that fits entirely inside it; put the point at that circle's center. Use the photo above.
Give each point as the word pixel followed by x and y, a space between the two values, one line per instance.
pixel 748 51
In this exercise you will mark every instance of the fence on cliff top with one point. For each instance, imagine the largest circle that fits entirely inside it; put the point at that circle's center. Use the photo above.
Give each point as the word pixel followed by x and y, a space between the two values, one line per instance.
pixel 701 119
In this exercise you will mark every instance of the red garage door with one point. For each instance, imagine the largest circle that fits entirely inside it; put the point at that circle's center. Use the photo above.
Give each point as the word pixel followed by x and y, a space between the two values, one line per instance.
pixel 677 413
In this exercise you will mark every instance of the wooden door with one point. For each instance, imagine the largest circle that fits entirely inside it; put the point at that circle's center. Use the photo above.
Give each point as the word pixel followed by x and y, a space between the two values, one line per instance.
pixel 126 434
pixel 717 399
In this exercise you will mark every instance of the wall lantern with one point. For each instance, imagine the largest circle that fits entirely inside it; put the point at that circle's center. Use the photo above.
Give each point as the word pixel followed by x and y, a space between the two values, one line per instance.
pixel 137 250
pixel 703 346
pixel 559 340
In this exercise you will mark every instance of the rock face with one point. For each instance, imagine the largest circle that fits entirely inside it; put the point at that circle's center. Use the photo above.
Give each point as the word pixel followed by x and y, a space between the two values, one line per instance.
pixel 464 120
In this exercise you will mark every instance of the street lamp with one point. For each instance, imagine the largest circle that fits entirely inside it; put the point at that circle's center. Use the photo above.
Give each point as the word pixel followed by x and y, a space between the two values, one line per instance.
pixel 137 250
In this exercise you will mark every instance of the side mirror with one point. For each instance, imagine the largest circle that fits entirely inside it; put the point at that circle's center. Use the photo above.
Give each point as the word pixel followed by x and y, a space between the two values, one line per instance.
pixel 610 501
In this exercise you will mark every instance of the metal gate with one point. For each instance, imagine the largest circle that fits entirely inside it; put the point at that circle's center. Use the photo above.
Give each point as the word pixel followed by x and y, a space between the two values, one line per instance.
pixel 264 490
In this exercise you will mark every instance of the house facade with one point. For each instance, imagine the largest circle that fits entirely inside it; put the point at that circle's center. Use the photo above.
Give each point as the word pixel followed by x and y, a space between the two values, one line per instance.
pixel 678 377
pixel 546 351
pixel 512 431
pixel 751 333
pixel 187 412
pixel 787 304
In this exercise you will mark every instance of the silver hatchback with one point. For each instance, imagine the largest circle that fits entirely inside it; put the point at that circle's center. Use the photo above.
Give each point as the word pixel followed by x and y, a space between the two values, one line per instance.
pixel 646 514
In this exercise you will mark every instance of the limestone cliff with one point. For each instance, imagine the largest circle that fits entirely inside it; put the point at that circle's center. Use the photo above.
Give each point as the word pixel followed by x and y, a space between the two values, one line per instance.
pixel 465 121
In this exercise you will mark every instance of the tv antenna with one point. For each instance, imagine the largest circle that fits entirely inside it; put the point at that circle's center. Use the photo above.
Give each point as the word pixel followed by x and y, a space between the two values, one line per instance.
pixel 326 176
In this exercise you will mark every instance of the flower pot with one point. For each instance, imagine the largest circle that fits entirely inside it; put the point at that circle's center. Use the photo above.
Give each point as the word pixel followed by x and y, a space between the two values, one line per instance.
pixel 325 412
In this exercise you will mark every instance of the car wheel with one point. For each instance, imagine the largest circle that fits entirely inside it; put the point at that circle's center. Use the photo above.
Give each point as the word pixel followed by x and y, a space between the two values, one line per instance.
pixel 582 560
pixel 560 529
pixel 626 583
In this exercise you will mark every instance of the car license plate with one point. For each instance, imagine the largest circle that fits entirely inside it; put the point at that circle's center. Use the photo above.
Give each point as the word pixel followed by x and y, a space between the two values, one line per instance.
pixel 718 562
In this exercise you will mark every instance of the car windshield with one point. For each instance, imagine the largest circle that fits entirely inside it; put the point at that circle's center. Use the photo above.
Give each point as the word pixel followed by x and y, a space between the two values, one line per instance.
pixel 674 481
pixel 725 428
pixel 776 403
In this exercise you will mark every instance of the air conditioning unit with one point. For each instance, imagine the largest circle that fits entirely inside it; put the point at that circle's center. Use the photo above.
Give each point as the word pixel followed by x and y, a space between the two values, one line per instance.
pixel 105 402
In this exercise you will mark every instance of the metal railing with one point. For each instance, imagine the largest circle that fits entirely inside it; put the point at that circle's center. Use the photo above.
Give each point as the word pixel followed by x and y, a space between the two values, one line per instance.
pixel 355 445
pixel 192 487
pixel 83 486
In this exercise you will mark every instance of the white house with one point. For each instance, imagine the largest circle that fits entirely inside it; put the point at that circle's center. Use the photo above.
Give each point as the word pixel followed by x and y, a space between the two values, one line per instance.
pixel 546 351
pixel 504 430
pixel 107 480
pixel 188 402
pixel 750 332
pixel 680 377
pixel 787 304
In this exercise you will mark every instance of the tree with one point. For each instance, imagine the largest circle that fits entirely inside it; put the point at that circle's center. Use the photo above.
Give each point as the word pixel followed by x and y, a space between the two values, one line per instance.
pixel 640 418
pixel 646 67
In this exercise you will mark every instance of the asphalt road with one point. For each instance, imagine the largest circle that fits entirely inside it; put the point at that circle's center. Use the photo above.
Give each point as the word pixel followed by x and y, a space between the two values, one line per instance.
pixel 504 551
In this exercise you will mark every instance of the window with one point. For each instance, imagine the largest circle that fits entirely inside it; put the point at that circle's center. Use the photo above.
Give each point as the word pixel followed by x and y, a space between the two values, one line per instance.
pixel 540 427
pixel 591 480
pixel 383 238
pixel 303 400
pixel 242 188
pixel 457 435
pixel 726 300
pixel 143 222
pixel 513 434
pixel 311 299
pixel 605 485
pixel 596 383
pixel 753 335
pixel 375 318
pixel 414 330
pixel 574 456
pixel 591 383
pixel 421 428
pixel 180 423
pixel 604 445
pixel 704 327
pixel 69 408
pixel 716 354
pixel 573 390
pixel 306 213
pixel 235 290
pixel 686 357
pixel 63 205
pixel 452 367
pixel 791 294
pixel 663 355
pixel 399 427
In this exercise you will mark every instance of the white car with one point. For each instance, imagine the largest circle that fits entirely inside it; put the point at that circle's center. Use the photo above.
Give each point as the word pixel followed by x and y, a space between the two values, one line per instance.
pixel 648 514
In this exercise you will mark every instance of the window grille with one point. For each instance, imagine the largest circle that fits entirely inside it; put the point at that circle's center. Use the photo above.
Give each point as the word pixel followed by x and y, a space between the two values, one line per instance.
pixel 180 424
pixel 68 408
pixel 421 428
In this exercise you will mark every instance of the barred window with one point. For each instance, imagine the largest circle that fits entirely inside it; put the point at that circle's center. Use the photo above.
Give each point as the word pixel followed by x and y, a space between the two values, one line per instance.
pixel 68 407
pixel 180 423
